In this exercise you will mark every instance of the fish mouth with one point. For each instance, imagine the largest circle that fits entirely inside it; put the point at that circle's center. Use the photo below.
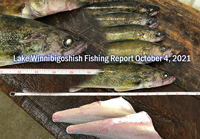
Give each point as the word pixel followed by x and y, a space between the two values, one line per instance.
pixel 154 25
pixel 168 53
pixel 169 81
pixel 81 47
pixel 154 13
pixel 156 39
pixel 162 83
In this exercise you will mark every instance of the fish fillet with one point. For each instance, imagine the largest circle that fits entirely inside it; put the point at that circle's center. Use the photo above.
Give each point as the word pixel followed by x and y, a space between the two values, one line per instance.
pixel 135 126
pixel 100 110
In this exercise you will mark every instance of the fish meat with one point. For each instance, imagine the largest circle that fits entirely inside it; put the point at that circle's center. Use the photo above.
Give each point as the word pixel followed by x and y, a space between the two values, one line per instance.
pixel 20 36
pixel 112 108
pixel 133 32
pixel 126 77
pixel 135 126
pixel 126 6
pixel 114 19
pixel 38 8
pixel 137 47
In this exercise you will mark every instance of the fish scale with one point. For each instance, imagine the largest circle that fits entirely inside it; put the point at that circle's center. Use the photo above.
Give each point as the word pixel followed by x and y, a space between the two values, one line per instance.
pixel 34 38
pixel 123 6
pixel 138 48
pixel 114 19
pixel 126 77
pixel 133 32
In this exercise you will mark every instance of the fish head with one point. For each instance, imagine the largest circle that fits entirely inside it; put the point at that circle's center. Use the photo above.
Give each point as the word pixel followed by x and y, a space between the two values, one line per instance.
pixel 148 8
pixel 39 8
pixel 158 78
pixel 153 35
pixel 161 50
pixel 152 23
pixel 62 43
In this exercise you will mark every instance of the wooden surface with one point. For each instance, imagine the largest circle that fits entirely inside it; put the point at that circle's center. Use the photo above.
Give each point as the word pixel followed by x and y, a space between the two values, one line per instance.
pixel 182 23
pixel 174 117
pixel 179 21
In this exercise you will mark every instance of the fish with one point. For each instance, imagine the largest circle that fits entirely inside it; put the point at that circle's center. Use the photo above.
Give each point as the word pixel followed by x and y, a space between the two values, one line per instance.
pixel 133 32
pixel 126 77
pixel 126 6
pixel 21 36
pixel 100 110
pixel 33 9
pixel 137 47
pixel 134 126
pixel 114 19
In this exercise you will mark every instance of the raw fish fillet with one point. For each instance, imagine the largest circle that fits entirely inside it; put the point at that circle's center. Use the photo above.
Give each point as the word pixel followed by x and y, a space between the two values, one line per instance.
pixel 135 126
pixel 100 110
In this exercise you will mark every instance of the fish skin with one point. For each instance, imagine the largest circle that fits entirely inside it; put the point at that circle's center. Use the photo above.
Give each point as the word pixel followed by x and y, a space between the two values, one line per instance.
pixel 137 47
pixel 114 19
pixel 112 108
pixel 126 77
pixel 133 32
pixel 20 36
pixel 135 126
pixel 126 6
pixel 38 8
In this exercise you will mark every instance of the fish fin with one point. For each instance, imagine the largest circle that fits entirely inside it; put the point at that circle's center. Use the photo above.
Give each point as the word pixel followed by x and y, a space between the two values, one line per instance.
pixel 130 86
pixel 5 63
pixel 123 89
pixel 75 89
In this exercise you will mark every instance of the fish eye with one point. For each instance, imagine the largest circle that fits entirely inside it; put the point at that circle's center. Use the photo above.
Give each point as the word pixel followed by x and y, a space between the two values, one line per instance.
pixel 151 9
pixel 67 42
pixel 163 49
pixel 165 75
pixel 158 34
pixel 150 22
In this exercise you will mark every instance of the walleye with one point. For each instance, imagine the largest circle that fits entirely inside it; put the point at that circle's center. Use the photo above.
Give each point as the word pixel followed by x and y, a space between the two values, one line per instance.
pixel 38 8
pixel 126 6
pixel 114 19
pixel 126 77
pixel 20 36
pixel 113 108
pixel 133 32
pixel 135 126
pixel 137 47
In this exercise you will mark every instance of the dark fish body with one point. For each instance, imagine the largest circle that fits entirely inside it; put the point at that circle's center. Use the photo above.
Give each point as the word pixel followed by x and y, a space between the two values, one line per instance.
pixel 20 36
pixel 123 6
pixel 133 32
pixel 114 19
pixel 137 47
pixel 126 77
